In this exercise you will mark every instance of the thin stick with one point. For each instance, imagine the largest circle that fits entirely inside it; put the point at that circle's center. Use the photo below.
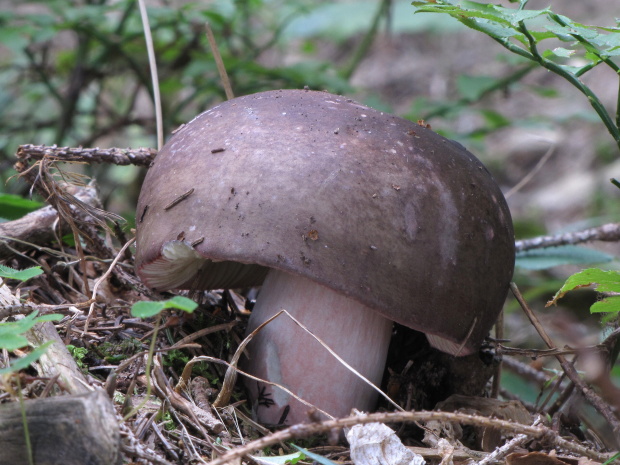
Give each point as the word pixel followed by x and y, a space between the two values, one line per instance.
pixel 221 69
pixel 568 368
pixel 93 298
pixel 501 452
pixel 234 369
pixel 607 233
pixel 345 364
pixel 116 156
pixel 222 399
pixel 362 50
pixel 528 177
pixel 153 65
pixel 303 430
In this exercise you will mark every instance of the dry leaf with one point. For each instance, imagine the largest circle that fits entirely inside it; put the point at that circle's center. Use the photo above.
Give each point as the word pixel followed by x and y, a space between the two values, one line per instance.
pixel 377 444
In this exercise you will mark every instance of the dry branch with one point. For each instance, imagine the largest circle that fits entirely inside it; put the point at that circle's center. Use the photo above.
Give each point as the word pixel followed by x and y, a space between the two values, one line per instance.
pixel 38 227
pixel 608 233
pixel 305 430
pixel 115 156
pixel 133 447
pixel 80 217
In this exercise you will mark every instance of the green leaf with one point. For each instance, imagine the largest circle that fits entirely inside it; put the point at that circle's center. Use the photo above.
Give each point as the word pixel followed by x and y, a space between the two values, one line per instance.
pixel 603 281
pixel 508 23
pixel 494 119
pixel 316 457
pixel 563 52
pixel 493 29
pixel 147 309
pixel 21 275
pixel 280 459
pixel 606 305
pixel 547 92
pixel 540 259
pixel 10 333
pixel 25 362
pixel 182 303
pixel 14 206
pixel 12 37
pixel 10 341
pixel 576 70
pixel 612 459
pixel 494 20
pixel 475 10
pixel 474 87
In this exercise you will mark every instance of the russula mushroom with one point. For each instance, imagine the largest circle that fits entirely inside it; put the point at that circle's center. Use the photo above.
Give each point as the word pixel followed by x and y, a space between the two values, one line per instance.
pixel 349 218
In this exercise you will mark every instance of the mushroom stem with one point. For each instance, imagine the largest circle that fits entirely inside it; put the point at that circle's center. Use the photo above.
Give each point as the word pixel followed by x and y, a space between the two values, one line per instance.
pixel 286 354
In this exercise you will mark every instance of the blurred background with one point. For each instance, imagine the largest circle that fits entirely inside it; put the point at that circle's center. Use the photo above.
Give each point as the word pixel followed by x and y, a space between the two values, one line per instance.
pixel 75 73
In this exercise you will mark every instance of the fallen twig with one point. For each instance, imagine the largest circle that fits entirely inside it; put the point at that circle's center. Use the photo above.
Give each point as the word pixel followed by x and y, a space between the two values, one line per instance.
pixel 101 279
pixel 113 156
pixel 309 429
pixel 608 232
pixel 38 227
pixel 568 368
pixel 133 447
pixel 501 452
pixel 79 216
pixel 11 305
pixel 554 352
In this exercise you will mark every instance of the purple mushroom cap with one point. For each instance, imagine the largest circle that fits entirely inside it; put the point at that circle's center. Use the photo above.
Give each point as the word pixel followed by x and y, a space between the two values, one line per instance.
pixel 372 207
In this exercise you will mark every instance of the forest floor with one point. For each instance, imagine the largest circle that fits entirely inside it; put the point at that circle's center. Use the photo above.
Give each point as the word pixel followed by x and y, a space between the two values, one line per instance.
pixel 161 420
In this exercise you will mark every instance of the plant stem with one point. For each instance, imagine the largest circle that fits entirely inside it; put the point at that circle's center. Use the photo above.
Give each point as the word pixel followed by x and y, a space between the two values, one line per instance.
pixel 533 55
pixel 147 371
pixel 154 75
pixel 366 42
pixel 603 58
pixel 497 85
pixel 24 421
pixel 587 45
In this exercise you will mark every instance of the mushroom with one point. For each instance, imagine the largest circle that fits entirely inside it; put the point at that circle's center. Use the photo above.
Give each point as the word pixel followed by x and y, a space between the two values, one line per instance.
pixel 349 218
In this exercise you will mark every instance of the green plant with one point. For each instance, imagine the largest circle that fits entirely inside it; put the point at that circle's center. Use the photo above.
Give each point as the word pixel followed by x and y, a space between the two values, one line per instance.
pixel 316 457
pixel 605 282
pixel 12 338
pixel 167 420
pixel 291 459
pixel 115 352
pixel 14 207
pixel 473 89
pixel 78 353
pixel 549 257
pixel 21 275
pixel 523 32
pixel 147 309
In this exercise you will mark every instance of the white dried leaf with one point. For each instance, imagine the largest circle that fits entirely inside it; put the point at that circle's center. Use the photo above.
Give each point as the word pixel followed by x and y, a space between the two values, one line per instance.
pixel 376 444
pixel 446 450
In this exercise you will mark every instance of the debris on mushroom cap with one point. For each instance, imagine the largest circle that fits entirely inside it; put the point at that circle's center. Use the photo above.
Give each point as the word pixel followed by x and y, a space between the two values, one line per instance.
pixel 305 184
